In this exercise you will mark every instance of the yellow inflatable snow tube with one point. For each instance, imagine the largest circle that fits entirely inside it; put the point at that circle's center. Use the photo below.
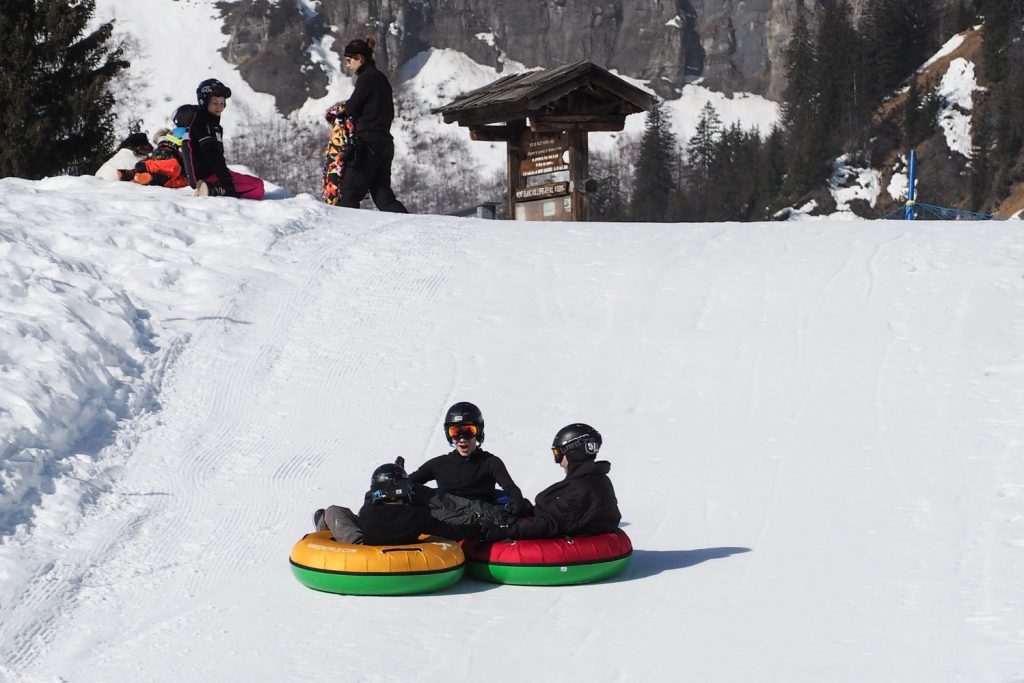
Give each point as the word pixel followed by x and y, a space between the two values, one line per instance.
pixel 320 562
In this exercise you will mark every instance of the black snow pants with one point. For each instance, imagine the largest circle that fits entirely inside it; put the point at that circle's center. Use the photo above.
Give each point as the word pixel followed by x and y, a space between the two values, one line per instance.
pixel 371 172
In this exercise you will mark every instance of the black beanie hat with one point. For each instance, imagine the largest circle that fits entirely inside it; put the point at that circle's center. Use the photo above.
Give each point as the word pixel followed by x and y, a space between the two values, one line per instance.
pixel 360 47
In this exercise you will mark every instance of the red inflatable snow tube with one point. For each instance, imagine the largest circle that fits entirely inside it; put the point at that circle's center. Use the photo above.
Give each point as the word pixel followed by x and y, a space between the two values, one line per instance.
pixel 550 561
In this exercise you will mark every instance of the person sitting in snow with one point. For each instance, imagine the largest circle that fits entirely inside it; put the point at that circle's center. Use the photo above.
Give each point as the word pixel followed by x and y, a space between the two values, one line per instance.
pixel 132 149
pixel 582 503
pixel 203 147
pixel 392 514
pixel 466 476
pixel 163 167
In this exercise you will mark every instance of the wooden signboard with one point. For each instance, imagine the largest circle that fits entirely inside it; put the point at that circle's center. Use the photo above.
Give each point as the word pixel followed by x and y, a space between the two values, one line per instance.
pixel 543 153
pixel 545 191
pixel 554 209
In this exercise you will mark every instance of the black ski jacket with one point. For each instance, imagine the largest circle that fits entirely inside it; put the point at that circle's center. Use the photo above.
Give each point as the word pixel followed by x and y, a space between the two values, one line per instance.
pixel 203 151
pixel 471 477
pixel 390 524
pixel 371 104
pixel 582 503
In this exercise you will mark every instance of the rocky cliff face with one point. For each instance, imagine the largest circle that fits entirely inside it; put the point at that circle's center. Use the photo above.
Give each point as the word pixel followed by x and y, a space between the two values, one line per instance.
pixel 733 45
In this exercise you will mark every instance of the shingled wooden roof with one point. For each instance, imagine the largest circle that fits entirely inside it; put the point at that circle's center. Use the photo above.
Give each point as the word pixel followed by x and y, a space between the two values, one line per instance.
pixel 571 90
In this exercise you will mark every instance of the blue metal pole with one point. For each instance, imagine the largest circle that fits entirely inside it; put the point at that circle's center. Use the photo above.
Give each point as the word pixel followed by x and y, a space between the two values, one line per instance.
pixel 911 194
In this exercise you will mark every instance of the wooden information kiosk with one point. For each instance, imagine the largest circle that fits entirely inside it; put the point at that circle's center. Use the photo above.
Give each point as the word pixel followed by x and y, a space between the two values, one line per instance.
pixel 544 117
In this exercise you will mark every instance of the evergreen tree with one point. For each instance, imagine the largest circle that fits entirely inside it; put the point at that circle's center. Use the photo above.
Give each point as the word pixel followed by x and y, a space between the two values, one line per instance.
pixel 920 114
pixel 653 183
pixel 999 33
pixel 771 174
pixel 867 76
pixel 701 151
pixel 1013 95
pixel 998 123
pixel 904 37
pixel 883 36
pixel 835 78
pixel 981 178
pixel 733 183
pixel 964 17
pixel 54 88
pixel 608 203
pixel 923 38
pixel 800 110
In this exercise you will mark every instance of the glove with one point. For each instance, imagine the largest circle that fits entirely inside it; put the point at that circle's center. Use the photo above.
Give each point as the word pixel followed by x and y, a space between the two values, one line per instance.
pixel 493 532
pixel 125 173
pixel 335 112
pixel 140 167
pixel 400 461
pixel 521 507
pixel 218 190
pixel 348 153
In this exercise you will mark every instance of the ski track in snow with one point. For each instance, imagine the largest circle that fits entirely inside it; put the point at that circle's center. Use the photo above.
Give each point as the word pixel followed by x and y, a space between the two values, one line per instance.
pixel 214 431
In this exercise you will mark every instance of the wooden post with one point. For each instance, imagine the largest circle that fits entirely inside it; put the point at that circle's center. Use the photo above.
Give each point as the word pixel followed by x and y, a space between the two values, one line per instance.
pixel 515 155
pixel 579 171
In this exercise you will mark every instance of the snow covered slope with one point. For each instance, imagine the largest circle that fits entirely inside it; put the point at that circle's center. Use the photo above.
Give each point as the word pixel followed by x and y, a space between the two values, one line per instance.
pixel 815 434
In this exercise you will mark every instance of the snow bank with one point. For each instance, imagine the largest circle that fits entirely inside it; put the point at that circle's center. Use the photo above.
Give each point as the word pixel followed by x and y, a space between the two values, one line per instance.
pixel 78 292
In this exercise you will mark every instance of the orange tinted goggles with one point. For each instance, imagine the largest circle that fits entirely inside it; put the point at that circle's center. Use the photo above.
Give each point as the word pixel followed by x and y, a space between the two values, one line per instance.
pixel 456 432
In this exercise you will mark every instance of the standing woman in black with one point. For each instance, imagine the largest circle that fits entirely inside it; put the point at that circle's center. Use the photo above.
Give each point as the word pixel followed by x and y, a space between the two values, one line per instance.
pixel 372 109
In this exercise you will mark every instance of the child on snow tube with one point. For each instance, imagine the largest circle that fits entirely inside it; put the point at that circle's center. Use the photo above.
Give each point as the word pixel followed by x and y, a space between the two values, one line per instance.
pixel 582 503
pixel 392 514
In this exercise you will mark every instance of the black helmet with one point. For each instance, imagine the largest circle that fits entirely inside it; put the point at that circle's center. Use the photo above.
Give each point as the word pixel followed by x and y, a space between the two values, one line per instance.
pixel 183 115
pixel 577 441
pixel 464 413
pixel 137 142
pixel 389 483
pixel 211 87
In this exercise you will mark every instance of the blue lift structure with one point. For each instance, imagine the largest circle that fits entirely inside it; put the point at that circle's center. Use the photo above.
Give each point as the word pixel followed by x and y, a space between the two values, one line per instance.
pixel 910 209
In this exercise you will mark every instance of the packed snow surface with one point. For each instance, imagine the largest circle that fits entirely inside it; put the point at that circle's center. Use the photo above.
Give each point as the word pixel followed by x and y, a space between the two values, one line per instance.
pixel 815 431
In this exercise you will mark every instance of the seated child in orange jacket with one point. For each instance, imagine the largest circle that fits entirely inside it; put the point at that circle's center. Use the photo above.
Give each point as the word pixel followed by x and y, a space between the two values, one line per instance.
pixel 163 166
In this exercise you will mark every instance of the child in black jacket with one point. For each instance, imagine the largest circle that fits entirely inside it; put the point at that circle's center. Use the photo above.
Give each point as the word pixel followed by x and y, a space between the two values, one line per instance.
pixel 466 476
pixel 393 513
pixel 203 147
pixel 582 503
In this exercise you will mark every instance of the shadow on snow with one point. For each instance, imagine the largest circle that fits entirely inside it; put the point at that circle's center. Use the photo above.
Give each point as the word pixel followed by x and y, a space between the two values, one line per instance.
pixel 650 562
